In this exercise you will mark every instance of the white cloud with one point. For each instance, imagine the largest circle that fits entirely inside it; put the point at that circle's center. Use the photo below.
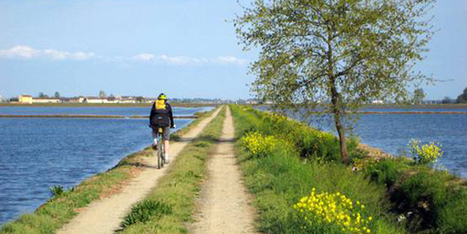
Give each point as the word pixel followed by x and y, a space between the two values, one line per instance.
pixel 184 60
pixel 82 55
pixel 144 57
pixel 230 60
pixel 19 52
pixel 27 52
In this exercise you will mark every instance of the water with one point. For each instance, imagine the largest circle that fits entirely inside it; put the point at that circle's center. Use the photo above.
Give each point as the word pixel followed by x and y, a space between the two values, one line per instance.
pixel 126 111
pixel 37 153
pixel 392 132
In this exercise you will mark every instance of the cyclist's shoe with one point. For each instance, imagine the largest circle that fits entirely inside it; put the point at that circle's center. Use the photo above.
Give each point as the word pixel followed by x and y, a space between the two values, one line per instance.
pixel 166 159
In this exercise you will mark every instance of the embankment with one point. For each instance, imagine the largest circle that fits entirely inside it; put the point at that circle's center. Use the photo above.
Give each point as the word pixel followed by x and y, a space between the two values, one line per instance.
pixel 93 116
pixel 301 186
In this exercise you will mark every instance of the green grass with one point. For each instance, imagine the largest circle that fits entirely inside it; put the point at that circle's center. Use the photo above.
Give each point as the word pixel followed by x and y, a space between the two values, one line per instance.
pixel 178 189
pixel 428 201
pixel 279 180
pixel 63 205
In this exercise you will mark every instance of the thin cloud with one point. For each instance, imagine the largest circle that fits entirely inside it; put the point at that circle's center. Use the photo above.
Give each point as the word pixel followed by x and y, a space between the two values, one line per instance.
pixel 184 60
pixel 24 52
pixel 144 57
pixel 62 55
pixel 27 52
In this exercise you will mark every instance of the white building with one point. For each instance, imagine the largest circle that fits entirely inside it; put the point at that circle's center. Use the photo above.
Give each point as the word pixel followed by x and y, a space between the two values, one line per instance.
pixel 95 100
pixel 46 100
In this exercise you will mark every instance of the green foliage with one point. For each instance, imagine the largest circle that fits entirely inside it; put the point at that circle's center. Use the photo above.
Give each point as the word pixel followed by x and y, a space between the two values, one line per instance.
pixel 427 200
pixel 387 171
pixel 425 154
pixel 309 46
pixel 57 191
pixel 308 142
pixel 280 180
pixel 146 210
pixel 424 200
pixel 344 51
pixel 463 97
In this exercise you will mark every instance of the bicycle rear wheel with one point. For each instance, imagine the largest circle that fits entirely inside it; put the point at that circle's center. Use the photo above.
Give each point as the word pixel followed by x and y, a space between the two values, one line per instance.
pixel 160 155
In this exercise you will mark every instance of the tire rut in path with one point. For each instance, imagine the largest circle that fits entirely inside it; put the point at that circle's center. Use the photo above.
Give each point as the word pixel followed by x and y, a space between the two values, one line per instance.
pixel 105 215
pixel 224 205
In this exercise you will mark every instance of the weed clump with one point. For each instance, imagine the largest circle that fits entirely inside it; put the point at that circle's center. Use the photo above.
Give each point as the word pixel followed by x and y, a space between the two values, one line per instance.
pixel 146 210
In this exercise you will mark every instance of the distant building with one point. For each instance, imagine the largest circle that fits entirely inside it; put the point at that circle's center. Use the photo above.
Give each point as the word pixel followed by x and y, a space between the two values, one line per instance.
pixel 95 100
pixel 73 100
pixel 128 99
pixel 377 102
pixel 46 100
pixel 26 99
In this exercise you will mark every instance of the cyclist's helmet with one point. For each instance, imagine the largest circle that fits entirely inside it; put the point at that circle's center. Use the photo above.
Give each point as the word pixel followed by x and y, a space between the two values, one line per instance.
pixel 162 96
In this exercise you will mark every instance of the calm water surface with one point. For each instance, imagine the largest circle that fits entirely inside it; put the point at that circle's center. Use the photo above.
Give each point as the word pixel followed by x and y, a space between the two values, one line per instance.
pixel 126 111
pixel 37 153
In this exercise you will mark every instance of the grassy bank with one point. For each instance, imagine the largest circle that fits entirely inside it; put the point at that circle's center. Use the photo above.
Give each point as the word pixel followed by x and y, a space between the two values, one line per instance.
pixel 300 186
pixel 65 204
pixel 171 204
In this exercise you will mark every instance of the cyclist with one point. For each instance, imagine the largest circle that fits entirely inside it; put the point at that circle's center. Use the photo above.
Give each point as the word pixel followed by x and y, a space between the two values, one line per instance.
pixel 161 117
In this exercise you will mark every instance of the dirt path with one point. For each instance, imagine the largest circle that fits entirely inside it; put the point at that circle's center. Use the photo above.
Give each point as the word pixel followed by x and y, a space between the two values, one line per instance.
pixel 105 216
pixel 224 204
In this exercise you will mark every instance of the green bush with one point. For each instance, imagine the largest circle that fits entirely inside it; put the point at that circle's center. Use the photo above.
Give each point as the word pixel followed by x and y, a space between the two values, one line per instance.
pixel 146 210
pixel 57 191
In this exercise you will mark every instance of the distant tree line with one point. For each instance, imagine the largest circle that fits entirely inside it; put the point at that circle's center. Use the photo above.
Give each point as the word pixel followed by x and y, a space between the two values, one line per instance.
pixel 463 97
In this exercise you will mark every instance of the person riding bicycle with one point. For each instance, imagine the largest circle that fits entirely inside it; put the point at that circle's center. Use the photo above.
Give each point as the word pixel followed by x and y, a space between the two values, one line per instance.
pixel 161 117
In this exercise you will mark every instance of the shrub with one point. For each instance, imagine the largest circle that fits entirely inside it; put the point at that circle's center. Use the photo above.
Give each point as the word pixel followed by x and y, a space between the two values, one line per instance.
pixel 146 210
pixel 57 191
pixel 260 145
pixel 425 154
pixel 386 171
pixel 333 209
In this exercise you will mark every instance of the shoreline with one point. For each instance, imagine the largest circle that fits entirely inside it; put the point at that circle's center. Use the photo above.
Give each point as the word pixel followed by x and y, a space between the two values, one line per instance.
pixel 6 104
pixel 94 116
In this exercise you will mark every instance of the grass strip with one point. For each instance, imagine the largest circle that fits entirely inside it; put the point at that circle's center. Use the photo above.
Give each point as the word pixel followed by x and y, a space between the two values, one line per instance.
pixel 64 205
pixel 171 204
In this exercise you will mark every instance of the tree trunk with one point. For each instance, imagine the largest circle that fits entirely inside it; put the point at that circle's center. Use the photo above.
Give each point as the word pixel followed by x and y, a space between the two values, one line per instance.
pixel 337 119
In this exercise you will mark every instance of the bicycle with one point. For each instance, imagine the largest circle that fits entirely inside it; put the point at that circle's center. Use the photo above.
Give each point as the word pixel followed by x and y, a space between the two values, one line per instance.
pixel 160 148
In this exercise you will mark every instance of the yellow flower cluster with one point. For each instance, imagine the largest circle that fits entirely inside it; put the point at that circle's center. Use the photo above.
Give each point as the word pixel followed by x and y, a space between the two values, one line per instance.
pixel 258 144
pixel 333 209
pixel 427 153
pixel 360 164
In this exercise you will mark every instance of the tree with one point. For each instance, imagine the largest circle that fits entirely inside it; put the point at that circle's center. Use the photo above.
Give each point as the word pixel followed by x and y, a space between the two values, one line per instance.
pixel 463 97
pixel 345 51
pixel 42 95
pixel 418 96
pixel 57 95
pixel 446 100
pixel 102 94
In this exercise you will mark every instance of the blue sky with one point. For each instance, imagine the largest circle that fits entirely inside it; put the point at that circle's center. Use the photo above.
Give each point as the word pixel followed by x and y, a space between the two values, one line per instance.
pixel 184 48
